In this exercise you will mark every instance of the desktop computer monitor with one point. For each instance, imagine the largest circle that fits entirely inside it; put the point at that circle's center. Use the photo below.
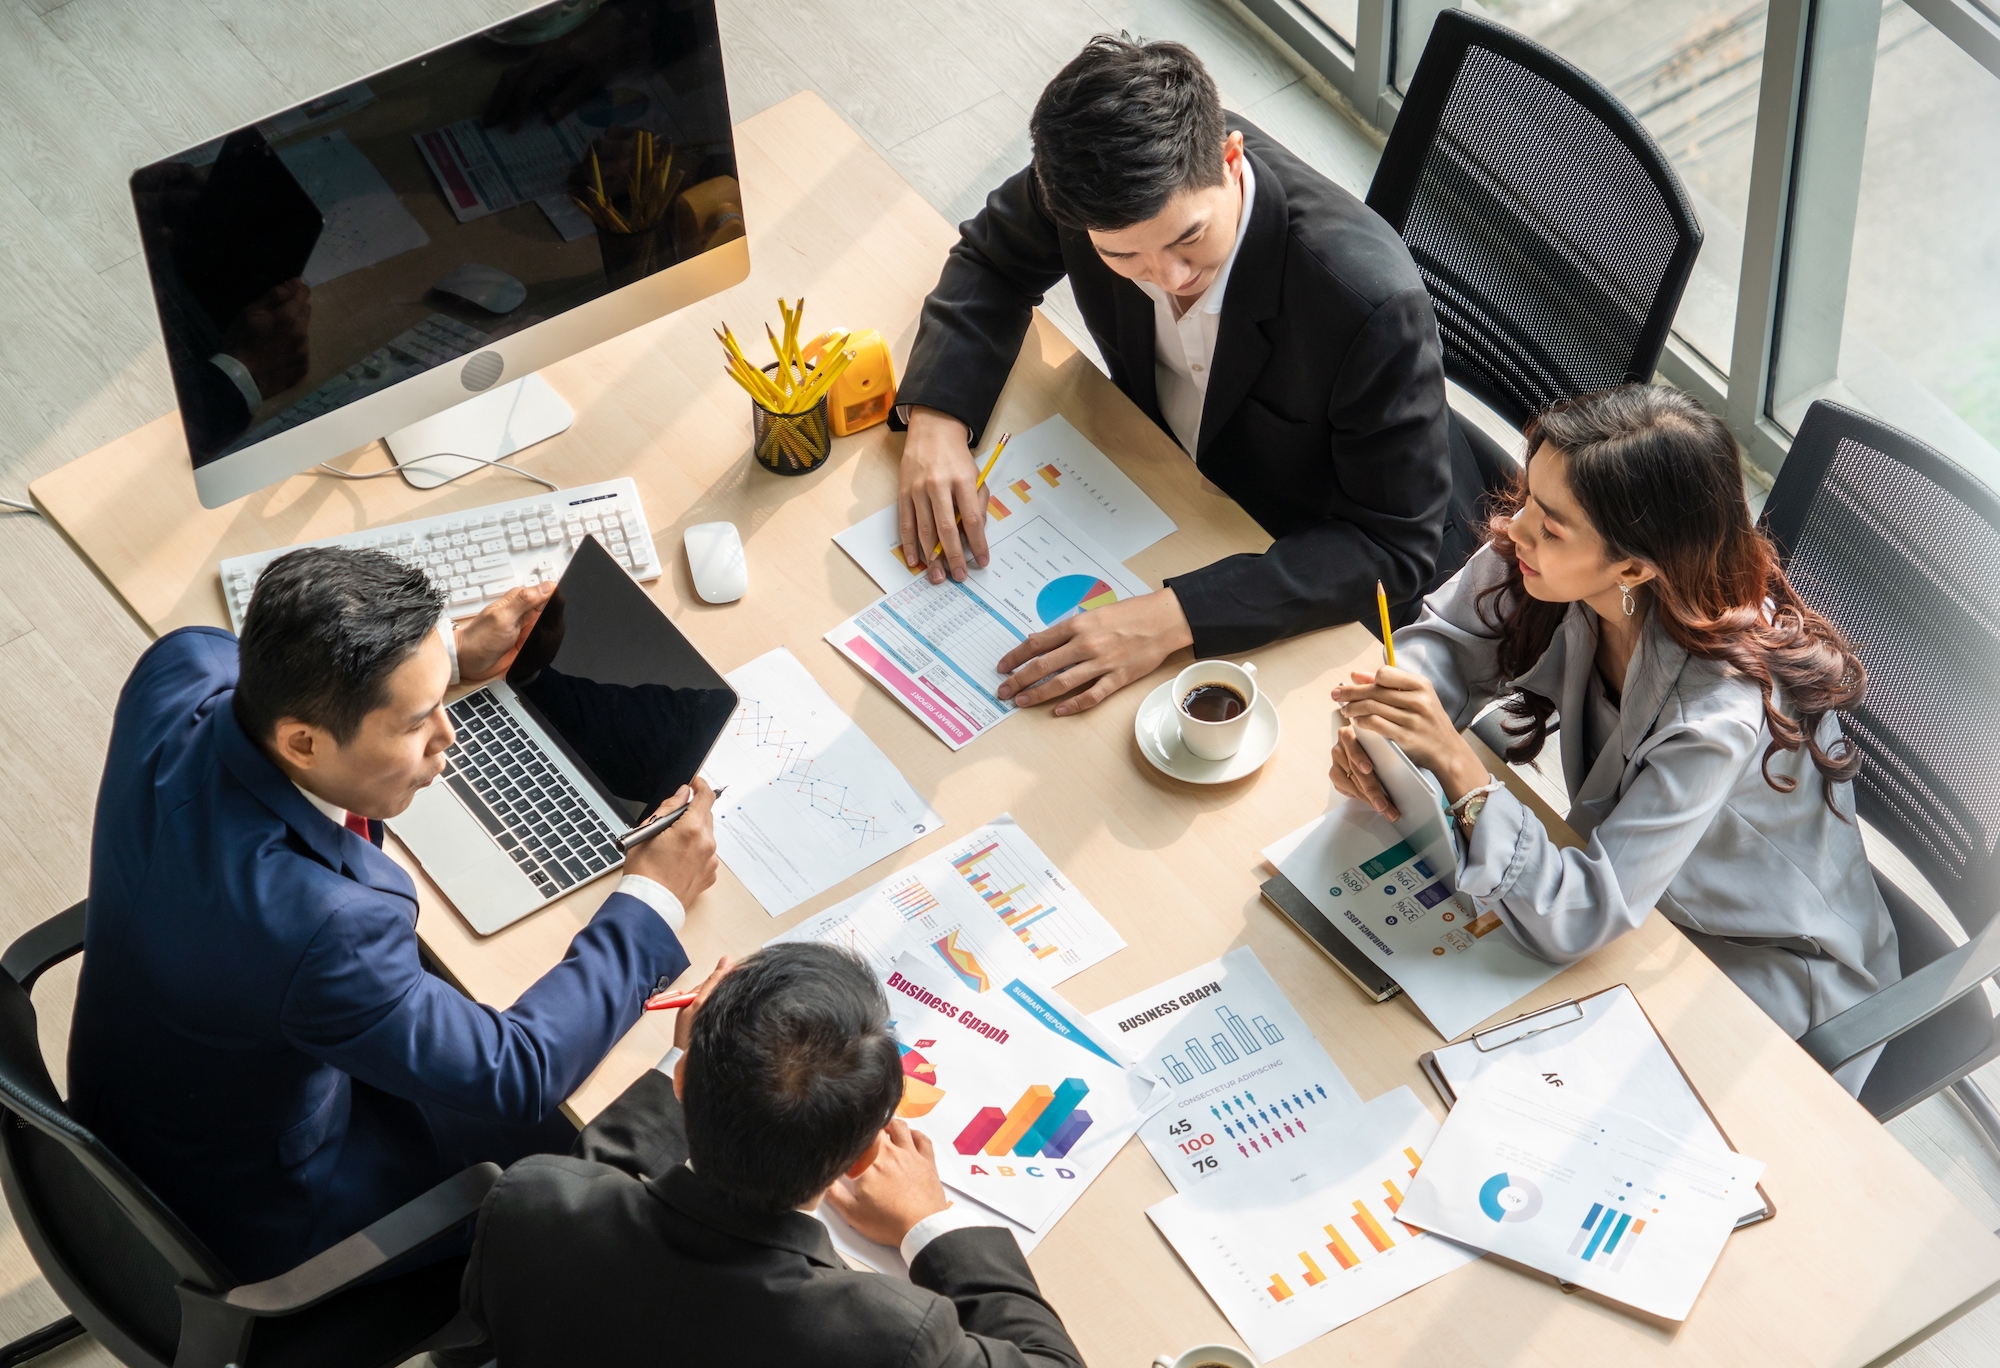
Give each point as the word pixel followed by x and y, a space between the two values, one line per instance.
pixel 398 257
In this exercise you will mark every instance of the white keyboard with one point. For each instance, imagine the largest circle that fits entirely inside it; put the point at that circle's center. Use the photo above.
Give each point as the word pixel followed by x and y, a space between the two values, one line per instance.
pixel 476 556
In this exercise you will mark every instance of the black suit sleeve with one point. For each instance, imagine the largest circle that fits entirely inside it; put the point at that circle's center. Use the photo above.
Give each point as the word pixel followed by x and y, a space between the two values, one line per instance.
pixel 1002 1319
pixel 642 1132
pixel 1007 257
pixel 1391 459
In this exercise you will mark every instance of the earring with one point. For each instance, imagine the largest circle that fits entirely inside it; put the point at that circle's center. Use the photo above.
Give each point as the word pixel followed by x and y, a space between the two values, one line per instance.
pixel 1625 600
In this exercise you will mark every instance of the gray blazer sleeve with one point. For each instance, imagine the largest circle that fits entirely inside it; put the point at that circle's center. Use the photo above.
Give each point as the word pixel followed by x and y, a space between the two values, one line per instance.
pixel 1452 645
pixel 1564 903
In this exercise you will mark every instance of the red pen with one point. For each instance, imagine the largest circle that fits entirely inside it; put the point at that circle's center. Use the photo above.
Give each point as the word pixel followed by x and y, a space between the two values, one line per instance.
pixel 669 1002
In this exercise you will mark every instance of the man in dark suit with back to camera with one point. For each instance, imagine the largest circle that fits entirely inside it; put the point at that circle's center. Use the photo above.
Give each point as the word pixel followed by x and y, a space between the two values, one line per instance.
pixel 683 1230
pixel 255 1034
pixel 1267 320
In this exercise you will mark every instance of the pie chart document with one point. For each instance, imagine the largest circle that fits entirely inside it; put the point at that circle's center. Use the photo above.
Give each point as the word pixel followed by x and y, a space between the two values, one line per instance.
pixel 1595 1196
pixel 935 647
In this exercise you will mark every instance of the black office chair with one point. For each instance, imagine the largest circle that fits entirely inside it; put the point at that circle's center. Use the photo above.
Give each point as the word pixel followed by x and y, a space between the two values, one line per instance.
pixel 1897 546
pixel 147 1288
pixel 1552 234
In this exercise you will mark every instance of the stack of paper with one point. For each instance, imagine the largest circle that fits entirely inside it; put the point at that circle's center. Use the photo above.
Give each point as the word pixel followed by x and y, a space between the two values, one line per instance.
pixel 811 799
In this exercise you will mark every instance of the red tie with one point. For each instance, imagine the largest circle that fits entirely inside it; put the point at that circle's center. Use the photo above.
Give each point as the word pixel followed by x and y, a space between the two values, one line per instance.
pixel 358 824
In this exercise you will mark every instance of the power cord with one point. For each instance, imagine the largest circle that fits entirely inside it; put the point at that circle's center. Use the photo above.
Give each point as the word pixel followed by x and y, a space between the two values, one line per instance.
pixel 398 469
pixel 20 507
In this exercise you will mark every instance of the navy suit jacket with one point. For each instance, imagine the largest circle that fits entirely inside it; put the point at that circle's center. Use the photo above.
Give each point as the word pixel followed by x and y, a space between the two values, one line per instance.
pixel 254 1032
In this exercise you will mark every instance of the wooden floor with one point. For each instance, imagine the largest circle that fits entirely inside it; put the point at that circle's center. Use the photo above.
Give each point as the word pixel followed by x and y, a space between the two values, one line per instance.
pixel 90 89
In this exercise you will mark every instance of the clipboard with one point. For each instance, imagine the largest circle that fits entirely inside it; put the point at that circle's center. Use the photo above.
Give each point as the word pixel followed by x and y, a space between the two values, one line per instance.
pixel 1569 1015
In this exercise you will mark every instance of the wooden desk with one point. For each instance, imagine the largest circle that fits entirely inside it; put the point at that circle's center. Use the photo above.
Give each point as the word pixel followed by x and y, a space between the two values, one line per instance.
pixel 1868 1252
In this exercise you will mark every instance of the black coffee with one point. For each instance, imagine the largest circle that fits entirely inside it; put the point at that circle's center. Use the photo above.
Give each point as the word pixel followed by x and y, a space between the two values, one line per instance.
pixel 1214 703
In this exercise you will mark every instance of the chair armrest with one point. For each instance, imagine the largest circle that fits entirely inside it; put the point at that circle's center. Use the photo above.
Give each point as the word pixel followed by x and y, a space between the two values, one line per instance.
pixel 409 1227
pixel 46 946
pixel 1895 1009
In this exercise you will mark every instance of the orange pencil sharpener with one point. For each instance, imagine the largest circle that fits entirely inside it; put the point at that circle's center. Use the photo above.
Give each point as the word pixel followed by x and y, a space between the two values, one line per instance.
pixel 866 391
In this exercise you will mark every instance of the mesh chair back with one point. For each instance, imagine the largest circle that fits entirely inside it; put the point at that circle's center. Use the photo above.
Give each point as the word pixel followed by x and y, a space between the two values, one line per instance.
pixel 1552 234
pixel 111 1250
pixel 1900 548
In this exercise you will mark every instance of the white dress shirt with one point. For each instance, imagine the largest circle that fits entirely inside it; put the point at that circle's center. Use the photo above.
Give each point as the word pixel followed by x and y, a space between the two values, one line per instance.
pixel 1184 344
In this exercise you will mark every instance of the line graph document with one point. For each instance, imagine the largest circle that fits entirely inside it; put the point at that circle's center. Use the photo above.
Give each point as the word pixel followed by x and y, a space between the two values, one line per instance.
pixel 935 646
pixel 811 799
pixel 1050 466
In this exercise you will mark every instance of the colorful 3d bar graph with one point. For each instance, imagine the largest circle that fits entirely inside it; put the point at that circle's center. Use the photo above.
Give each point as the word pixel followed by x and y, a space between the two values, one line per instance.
pixel 1045 1121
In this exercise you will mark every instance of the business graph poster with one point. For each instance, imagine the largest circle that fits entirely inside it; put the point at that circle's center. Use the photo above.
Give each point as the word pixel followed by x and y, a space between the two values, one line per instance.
pixel 1250 1081
pixel 1021 1112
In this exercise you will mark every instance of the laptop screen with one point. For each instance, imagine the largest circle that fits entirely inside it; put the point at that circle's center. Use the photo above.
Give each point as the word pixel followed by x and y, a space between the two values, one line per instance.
pixel 617 686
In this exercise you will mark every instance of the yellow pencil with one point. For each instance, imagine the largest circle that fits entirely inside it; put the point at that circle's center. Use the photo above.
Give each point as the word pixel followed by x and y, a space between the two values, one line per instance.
pixel 991 461
pixel 1388 641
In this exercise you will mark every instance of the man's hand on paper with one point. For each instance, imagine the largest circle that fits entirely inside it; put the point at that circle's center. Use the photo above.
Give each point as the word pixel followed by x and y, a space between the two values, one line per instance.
pixel 1106 649
pixel 936 491
pixel 1402 706
pixel 891 1193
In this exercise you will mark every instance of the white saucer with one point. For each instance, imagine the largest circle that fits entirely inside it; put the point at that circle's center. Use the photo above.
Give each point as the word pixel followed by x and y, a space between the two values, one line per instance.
pixel 1159 732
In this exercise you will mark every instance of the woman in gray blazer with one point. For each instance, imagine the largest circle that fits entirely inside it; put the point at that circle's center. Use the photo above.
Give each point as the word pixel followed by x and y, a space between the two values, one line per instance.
pixel 1626 590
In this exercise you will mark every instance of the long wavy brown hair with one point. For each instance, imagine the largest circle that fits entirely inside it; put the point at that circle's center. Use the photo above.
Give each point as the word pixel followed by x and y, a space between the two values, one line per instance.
pixel 1659 478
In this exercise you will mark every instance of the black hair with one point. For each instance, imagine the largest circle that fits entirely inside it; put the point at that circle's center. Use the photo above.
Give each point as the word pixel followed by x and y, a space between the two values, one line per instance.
pixel 1122 129
pixel 327 626
pixel 790 1073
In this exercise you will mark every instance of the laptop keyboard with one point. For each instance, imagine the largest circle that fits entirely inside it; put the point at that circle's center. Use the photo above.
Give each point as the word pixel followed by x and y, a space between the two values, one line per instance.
pixel 504 778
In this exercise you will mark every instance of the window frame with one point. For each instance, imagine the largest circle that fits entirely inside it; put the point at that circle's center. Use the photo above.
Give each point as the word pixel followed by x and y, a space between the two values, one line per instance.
pixel 1799 221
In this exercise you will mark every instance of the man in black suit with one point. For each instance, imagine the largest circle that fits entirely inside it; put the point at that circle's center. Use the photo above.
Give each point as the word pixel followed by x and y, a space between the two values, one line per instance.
pixel 683 1231
pixel 1270 322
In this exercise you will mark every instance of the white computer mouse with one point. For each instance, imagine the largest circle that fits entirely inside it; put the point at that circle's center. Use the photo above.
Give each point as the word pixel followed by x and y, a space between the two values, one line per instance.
pixel 483 287
pixel 715 560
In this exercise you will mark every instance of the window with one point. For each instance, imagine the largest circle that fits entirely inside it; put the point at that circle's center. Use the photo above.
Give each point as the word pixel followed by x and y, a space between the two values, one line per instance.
pixel 1689 71
pixel 1339 15
pixel 1891 294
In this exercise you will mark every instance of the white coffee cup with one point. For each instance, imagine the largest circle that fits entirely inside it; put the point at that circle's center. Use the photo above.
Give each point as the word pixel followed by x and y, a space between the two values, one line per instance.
pixel 1205 1354
pixel 1215 740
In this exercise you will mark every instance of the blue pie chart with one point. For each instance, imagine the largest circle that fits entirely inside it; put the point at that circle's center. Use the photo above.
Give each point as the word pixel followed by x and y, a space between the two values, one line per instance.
pixel 1506 1197
pixel 1066 595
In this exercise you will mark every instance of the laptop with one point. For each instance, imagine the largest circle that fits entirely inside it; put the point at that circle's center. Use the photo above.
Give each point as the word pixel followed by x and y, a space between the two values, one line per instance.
pixel 605 713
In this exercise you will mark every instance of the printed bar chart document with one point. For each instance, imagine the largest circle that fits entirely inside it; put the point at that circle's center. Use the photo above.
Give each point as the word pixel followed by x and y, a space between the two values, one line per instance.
pixel 935 646
pixel 1051 466
pixel 1293 1251
pixel 1251 1084
pixel 1021 1110
pixel 1392 893
pixel 1592 1195
pixel 811 799
pixel 990 908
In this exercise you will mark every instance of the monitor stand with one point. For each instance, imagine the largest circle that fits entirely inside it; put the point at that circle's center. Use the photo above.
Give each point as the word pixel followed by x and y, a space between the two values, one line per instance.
pixel 492 426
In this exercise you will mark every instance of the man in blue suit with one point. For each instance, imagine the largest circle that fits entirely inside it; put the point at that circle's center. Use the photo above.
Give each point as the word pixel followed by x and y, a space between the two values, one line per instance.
pixel 255 1033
